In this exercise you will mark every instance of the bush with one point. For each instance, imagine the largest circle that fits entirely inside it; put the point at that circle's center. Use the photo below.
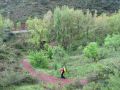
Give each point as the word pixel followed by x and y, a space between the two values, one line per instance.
pixel 113 41
pixel 38 59
pixel 91 50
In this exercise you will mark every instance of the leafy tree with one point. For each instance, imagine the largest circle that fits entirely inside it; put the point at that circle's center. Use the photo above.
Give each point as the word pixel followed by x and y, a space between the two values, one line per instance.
pixel 71 25
pixel 38 30
pixel 91 50
pixel 113 41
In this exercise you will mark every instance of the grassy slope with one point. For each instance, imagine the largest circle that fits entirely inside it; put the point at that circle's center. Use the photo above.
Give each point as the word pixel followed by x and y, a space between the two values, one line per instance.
pixel 78 67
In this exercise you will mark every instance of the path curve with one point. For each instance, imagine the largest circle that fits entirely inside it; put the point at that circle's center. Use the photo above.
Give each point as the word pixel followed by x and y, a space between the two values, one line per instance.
pixel 47 78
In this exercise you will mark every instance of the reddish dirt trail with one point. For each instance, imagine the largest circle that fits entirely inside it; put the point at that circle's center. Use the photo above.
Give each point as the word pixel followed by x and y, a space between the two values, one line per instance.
pixel 47 78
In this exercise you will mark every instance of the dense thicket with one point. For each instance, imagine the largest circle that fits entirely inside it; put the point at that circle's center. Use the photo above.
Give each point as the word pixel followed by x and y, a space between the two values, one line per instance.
pixel 71 28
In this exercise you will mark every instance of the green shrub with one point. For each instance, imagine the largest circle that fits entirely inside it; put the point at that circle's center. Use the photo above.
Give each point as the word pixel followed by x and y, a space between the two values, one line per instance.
pixel 113 41
pixel 38 59
pixel 91 50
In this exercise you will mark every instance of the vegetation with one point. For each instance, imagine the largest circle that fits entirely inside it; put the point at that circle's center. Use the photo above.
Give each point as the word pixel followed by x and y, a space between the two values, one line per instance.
pixel 39 32
pixel 38 59
pixel 21 10
pixel 92 51
pixel 86 43
pixel 113 41
pixel 69 26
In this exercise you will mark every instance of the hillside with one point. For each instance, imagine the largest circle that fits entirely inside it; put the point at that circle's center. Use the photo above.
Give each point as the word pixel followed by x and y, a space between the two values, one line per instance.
pixel 19 10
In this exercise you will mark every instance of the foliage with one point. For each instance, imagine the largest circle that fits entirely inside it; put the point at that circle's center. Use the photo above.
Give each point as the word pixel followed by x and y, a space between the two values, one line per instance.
pixel 38 30
pixel 7 53
pixel 49 51
pixel 59 53
pixel 8 23
pixel 9 76
pixel 91 50
pixel 114 23
pixel 59 57
pixel 79 28
pixel 71 25
pixel 5 27
pixel 38 59
pixel 25 7
pixel 100 29
pixel 113 41
pixel 110 72
pixel 114 82
pixel 103 53
pixel 1 22
pixel 5 23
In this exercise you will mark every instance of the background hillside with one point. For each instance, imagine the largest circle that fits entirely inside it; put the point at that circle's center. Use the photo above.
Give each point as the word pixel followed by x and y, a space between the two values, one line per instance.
pixel 21 9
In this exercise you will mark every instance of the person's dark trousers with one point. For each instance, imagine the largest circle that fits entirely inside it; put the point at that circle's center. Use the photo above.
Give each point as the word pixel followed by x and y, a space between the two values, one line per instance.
pixel 62 76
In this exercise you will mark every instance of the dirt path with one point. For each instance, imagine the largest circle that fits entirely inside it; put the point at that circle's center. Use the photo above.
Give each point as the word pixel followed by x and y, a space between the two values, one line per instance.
pixel 47 78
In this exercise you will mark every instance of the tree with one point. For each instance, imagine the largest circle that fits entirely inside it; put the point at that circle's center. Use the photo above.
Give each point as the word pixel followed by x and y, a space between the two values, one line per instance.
pixel 91 50
pixel 38 30
pixel 71 25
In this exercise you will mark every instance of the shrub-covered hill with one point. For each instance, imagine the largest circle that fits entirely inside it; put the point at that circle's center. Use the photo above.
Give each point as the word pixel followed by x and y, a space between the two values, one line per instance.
pixel 21 9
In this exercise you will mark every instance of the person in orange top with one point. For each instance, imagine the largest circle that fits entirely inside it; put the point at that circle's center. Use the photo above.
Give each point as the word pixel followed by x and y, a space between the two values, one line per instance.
pixel 62 71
